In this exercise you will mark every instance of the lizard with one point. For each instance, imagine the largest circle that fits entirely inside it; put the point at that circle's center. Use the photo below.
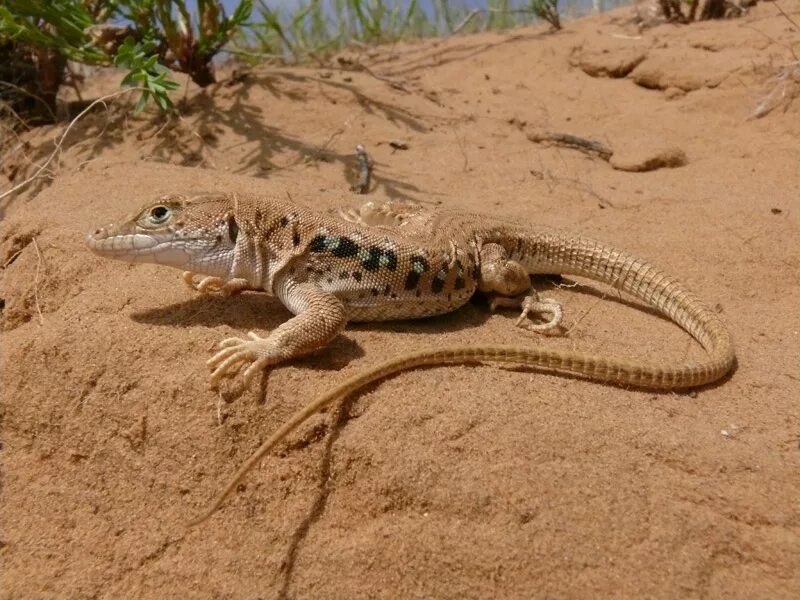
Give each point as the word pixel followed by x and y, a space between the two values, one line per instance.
pixel 379 264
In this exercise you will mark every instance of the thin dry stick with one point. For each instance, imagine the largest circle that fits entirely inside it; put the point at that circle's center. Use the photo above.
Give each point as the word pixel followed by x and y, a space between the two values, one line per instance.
pixel 586 312
pixel 12 258
pixel 5 107
pixel 364 170
pixel 36 281
pixel 474 13
pixel 572 141
pixel 788 18
pixel 350 65
pixel 12 152
pixel 31 95
pixel 591 308
pixel 43 166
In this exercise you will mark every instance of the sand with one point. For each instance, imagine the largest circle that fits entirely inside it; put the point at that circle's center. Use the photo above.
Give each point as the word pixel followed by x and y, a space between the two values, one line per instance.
pixel 456 482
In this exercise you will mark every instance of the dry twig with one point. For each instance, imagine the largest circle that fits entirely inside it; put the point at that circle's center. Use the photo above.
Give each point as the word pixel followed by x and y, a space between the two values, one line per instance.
pixel 364 171
pixel 43 166
pixel 571 141
pixel 36 281
pixel 25 92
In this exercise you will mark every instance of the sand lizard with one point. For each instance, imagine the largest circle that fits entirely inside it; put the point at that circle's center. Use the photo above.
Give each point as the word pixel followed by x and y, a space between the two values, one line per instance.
pixel 378 264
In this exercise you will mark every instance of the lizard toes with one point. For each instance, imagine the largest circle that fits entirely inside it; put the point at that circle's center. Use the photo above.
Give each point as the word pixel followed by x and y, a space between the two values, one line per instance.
pixel 232 343
pixel 188 279
pixel 209 284
pixel 229 351
pixel 234 353
pixel 260 364
pixel 230 366
pixel 203 283
pixel 255 368
pixel 254 341
pixel 533 304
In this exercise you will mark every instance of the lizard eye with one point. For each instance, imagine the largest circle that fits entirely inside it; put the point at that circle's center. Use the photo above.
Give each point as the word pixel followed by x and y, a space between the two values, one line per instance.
pixel 159 214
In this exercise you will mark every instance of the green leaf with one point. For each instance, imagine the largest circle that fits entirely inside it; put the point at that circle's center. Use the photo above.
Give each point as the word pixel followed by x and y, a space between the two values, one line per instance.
pixel 140 104
pixel 128 81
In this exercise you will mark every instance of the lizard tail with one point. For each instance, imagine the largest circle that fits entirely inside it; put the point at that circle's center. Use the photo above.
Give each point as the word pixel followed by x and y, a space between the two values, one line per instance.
pixel 557 253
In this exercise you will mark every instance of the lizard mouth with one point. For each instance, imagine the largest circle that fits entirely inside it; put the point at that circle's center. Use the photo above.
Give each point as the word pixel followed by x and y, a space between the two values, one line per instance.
pixel 106 243
pixel 136 247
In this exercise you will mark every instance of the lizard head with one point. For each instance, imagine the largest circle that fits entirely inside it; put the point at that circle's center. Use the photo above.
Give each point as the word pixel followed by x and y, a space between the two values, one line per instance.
pixel 195 233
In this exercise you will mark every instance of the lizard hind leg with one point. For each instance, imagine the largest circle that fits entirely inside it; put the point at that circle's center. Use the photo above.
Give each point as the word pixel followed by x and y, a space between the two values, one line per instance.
pixel 371 214
pixel 508 285
pixel 531 304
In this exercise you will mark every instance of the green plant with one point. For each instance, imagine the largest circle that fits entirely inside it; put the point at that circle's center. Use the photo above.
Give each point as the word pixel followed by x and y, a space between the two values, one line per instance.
pixel 379 21
pixel 304 32
pixel 41 35
pixel 547 10
pixel 316 26
pixel 313 27
pixel 37 39
pixel 180 42
pixel 144 72
pixel 60 25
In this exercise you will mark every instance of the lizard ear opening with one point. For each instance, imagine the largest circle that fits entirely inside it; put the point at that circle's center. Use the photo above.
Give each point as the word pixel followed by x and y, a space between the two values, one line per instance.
pixel 233 229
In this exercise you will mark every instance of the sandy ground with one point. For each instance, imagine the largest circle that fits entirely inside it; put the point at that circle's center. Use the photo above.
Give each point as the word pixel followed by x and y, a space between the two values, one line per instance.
pixel 461 482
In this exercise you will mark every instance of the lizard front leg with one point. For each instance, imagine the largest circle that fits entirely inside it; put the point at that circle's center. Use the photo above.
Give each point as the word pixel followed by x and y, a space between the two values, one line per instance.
pixel 508 285
pixel 320 317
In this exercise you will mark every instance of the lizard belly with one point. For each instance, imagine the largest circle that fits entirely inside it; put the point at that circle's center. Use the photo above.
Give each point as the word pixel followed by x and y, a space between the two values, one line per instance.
pixel 384 308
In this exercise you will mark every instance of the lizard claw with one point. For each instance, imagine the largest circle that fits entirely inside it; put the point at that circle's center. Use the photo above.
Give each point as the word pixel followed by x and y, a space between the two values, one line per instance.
pixel 208 284
pixel 534 304
pixel 531 303
pixel 204 285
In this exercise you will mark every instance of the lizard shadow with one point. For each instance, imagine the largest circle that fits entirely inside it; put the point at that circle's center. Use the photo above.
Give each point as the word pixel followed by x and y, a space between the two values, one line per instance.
pixel 317 508
pixel 608 293
pixel 476 312
pixel 325 473
pixel 468 316
pixel 249 311
pixel 245 311
pixel 257 311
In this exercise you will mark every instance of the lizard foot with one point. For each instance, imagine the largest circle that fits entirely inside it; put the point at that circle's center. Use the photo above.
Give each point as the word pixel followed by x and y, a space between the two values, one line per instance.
pixel 531 303
pixel 234 353
pixel 208 284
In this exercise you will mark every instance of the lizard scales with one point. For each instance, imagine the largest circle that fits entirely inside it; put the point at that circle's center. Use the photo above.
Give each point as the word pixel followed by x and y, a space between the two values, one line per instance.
pixel 380 265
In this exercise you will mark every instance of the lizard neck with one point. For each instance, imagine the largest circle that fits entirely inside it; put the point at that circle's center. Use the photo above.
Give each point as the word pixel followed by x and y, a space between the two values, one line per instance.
pixel 269 236
pixel 250 259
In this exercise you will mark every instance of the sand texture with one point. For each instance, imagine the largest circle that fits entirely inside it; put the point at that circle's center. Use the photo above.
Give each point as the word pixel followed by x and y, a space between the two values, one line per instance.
pixel 453 482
